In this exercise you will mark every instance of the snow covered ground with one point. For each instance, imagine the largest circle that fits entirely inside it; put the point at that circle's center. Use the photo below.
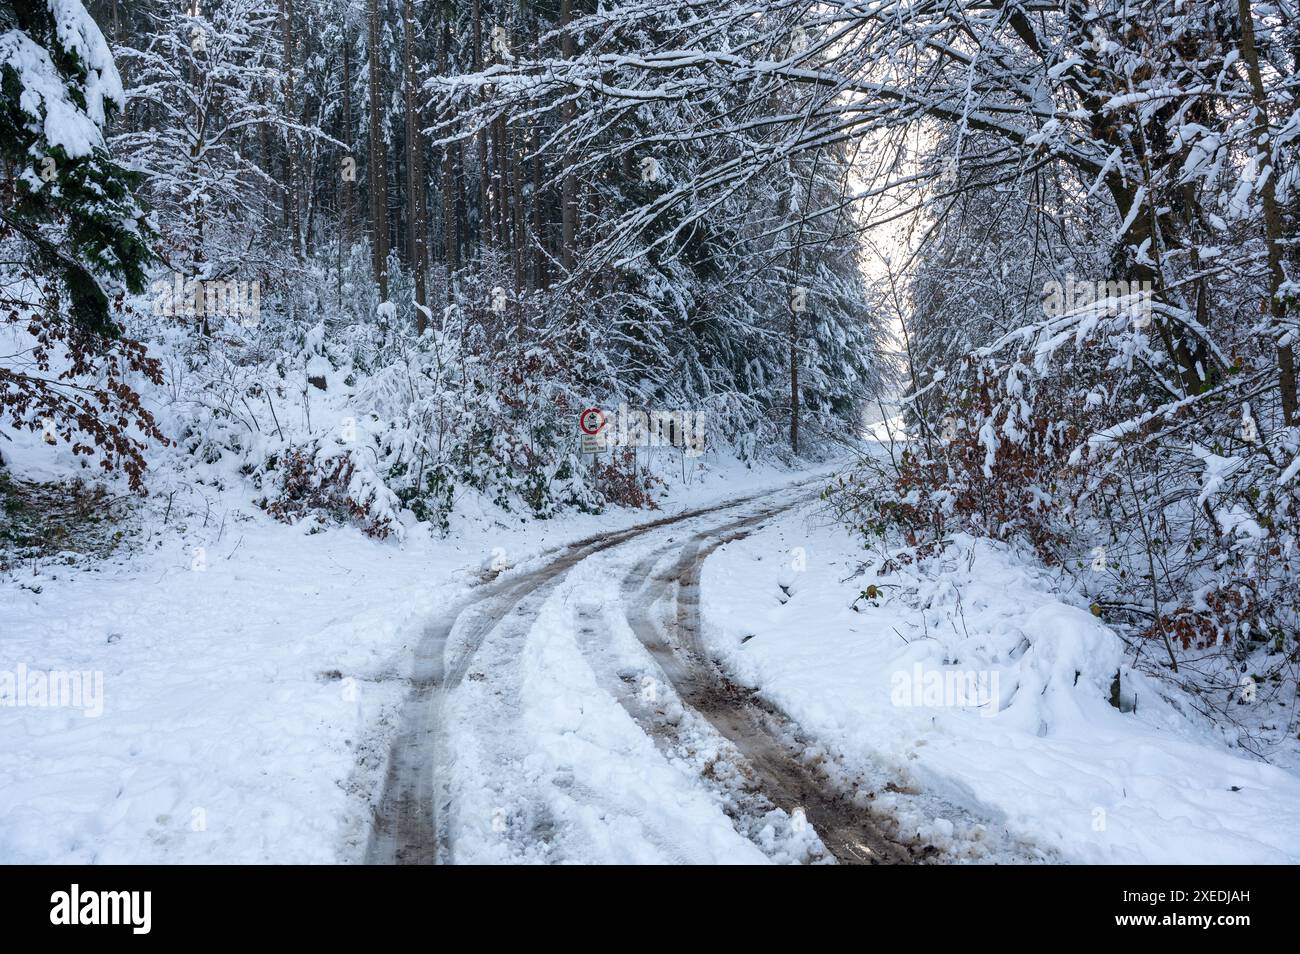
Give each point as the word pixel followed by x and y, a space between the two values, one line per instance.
pixel 974 683
pixel 252 676
pixel 251 673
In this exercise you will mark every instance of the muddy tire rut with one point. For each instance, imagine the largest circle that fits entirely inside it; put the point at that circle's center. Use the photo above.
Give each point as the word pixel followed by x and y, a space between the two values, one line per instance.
pixel 766 739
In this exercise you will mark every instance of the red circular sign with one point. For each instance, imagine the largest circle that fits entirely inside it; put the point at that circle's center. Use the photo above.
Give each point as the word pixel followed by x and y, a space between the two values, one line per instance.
pixel 591 420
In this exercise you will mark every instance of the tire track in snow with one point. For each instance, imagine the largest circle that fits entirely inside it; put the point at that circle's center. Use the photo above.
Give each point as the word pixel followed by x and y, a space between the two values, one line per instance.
pixel 762 735
pixel 410 820
pixel 688 742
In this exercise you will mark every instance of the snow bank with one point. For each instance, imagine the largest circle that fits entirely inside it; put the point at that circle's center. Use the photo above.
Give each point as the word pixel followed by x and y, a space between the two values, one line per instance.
pixel 1029 739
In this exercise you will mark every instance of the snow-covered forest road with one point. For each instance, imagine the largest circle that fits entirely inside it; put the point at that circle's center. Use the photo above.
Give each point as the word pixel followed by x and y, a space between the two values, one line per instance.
pixel 681 691
pixel 735 680
pixel 418 815
pixel 571 711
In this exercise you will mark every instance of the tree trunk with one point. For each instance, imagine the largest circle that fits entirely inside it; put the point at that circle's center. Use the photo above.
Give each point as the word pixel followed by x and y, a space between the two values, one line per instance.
pixel 539 225
pixel 484 201
pixel 517 190
pixel 292 211
pixel 415 227
pixel 450 239
pixel 569 184
pixel 347 167
pixel 1273 229
pixel 378 156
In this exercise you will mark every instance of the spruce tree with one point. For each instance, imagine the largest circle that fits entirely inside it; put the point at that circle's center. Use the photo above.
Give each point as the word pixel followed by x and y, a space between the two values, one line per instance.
pixel 67 199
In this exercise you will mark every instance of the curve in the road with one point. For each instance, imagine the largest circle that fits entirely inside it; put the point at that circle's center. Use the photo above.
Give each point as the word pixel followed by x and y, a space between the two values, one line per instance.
pixel 409 821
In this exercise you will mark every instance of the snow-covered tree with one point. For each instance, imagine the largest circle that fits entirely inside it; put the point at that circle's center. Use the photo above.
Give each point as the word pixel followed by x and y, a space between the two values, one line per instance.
pixel 67 199
pixel 72 236
pixel 207 90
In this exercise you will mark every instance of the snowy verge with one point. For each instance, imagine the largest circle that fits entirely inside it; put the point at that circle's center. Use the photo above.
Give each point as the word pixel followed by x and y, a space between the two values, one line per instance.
pixel 972 677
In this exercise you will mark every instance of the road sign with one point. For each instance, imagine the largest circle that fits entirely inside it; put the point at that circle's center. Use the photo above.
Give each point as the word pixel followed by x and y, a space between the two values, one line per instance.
pixel 592 443
pixel 591 420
